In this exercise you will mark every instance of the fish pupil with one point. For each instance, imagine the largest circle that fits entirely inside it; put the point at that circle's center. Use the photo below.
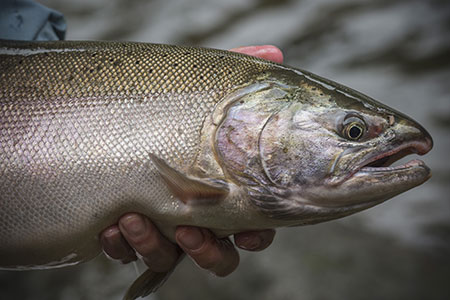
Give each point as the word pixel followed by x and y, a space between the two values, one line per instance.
pixel 355 132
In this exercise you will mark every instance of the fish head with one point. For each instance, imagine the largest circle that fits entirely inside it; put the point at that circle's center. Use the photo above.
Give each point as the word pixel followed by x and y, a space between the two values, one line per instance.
pixel 326 151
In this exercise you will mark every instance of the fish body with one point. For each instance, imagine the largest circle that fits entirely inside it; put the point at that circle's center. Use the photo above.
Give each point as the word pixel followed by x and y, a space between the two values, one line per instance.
pixel 187 136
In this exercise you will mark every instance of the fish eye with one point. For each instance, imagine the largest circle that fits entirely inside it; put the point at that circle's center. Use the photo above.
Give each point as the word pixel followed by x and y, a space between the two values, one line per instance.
pixel 353 128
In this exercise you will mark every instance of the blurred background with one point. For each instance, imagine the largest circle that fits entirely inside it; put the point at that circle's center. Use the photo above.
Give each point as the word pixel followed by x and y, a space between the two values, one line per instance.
pixel 397 51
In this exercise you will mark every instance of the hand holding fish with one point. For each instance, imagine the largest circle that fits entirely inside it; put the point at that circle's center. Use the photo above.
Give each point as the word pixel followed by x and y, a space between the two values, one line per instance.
pixel 135 232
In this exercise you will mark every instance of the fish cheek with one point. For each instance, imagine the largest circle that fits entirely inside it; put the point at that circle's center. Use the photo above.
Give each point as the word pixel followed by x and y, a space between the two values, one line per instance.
pixel 291 155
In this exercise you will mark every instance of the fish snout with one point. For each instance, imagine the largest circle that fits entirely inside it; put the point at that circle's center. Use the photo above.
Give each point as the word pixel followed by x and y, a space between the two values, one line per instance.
pixel 414 134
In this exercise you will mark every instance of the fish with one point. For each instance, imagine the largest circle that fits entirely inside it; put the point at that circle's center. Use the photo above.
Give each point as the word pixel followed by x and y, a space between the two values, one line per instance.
pixel 91 130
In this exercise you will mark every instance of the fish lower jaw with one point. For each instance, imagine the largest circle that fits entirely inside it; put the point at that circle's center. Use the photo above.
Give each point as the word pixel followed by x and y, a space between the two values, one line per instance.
pixel 369 186
pixel 411 164
pixel 412 173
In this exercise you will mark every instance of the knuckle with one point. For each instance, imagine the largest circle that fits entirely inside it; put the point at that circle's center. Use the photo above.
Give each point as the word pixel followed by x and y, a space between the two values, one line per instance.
pixel 210 259
pixel 220 261
pixel 142 241
pixel 147 237
pixel 148 246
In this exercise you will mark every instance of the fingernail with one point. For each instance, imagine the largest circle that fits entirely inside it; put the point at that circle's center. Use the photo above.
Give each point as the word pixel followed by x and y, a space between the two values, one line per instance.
pixel 133 225
pixel 190 238
pixel 250 243
pixel 110 233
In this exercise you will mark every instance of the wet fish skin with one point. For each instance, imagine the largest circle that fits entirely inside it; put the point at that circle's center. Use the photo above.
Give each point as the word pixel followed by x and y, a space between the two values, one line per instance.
pixel 79 121
pixel 192 136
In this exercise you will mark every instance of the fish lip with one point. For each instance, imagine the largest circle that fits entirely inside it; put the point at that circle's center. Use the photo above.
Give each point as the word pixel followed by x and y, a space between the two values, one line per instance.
pixel 393 155
pixel 415 163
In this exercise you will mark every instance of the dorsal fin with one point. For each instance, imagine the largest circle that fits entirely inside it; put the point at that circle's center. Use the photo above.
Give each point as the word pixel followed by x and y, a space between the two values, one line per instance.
pixel 190 190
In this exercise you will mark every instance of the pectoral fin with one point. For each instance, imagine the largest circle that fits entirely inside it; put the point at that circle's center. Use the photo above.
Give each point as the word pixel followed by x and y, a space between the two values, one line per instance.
pixel 190 190
pixel 148 282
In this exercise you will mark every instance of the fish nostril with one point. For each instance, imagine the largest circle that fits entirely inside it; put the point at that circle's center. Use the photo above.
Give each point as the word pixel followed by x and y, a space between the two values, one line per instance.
pixel 391 120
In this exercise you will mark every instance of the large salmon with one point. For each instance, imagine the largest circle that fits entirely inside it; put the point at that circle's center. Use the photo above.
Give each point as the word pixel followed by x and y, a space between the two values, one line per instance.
pixel 187 136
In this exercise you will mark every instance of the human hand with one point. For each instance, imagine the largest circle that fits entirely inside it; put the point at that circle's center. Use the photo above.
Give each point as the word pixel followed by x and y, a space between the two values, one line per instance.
pixel 268 52
pixel 136 233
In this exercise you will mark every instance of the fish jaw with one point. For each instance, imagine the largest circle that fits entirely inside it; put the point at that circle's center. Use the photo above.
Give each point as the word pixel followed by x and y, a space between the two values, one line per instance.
pixel 365 175
pixel 373 178
pixel 368 187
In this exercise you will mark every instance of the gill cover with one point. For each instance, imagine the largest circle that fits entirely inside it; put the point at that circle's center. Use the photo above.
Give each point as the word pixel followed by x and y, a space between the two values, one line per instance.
pixel 256 148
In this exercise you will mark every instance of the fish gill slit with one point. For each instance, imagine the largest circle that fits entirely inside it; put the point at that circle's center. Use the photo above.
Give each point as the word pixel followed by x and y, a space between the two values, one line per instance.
pixel 260 157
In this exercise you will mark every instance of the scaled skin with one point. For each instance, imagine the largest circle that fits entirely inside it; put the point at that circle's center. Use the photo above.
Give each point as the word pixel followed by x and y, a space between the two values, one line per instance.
pixel 136 233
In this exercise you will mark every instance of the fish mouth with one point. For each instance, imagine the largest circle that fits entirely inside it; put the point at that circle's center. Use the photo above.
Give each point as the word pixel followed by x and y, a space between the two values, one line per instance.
pixel 382 163
pixel 375 179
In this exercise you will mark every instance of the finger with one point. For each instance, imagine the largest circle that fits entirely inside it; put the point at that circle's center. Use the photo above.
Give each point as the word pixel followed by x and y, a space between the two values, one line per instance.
pixel 268 52
pixel 254 240
pixel 158 253
pixel 115 246
pixel 216 255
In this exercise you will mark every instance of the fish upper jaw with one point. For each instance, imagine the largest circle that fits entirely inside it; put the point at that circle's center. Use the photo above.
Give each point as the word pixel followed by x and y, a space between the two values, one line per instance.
pixel 408 137
pixel 381 162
